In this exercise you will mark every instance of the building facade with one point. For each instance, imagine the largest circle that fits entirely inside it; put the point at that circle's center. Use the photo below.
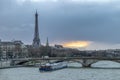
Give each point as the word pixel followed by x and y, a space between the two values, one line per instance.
pixel 12 49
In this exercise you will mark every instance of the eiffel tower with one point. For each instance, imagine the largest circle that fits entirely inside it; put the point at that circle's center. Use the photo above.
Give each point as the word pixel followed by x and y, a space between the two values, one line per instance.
pixel 36 40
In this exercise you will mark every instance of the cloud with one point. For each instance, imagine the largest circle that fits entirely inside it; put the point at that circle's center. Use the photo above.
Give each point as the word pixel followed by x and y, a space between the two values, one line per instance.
pixel 76 44
pixel 87 45
pixel 44 0
pixel 36 1
pixel 81 1
pixel 98 1
pixel 101 46
pixel 62 20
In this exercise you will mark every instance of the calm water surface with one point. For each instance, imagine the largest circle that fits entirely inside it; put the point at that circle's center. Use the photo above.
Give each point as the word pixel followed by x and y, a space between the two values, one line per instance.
pixel 103 73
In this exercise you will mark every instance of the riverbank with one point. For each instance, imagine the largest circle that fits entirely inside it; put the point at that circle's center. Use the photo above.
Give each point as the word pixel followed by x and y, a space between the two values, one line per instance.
pixel 9 67
pixel 4 64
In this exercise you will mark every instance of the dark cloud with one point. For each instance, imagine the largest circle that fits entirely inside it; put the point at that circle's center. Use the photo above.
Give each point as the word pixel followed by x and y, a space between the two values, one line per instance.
pixel 60 21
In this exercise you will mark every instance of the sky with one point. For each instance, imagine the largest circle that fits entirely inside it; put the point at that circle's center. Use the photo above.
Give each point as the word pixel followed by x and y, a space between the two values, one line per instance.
pixel 83 24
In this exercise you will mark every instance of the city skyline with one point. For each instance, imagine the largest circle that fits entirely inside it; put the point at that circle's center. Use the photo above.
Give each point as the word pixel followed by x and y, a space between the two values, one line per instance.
pixel 92 23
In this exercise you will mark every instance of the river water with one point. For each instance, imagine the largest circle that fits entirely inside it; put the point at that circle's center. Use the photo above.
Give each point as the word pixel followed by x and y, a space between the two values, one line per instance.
pixel 101 71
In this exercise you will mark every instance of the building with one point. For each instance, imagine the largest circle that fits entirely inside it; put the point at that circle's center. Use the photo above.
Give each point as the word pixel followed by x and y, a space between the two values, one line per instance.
pixel 58 46
pixel 12 49
pixel 36 40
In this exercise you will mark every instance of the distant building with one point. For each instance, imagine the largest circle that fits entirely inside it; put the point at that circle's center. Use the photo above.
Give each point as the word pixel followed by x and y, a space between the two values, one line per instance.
pixel 12 49
pixel 58 46
pixel 47 43
pixel 36 40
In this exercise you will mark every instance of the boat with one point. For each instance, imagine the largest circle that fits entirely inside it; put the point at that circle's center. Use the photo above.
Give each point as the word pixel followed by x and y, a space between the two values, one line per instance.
pixel 53 66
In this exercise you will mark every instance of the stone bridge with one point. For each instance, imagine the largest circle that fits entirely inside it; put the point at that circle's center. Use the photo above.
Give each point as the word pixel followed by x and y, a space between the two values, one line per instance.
pixel 85 61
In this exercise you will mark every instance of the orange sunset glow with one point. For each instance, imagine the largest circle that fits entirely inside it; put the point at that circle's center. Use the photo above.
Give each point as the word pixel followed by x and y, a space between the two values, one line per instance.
pixel 76 44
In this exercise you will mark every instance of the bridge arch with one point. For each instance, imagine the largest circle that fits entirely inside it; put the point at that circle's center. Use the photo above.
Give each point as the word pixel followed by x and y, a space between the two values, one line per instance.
pixel 106 63
pixel 92 63
pixel 84 62
pixel 74 64
pixel 22 62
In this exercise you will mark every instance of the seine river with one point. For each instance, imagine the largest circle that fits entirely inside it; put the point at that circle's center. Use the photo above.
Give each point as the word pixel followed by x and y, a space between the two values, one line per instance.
pixel 101 71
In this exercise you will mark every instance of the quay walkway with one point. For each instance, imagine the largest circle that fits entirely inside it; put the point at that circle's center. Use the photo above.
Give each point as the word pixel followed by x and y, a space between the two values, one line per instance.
pixel 6 64
pixel 9 67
